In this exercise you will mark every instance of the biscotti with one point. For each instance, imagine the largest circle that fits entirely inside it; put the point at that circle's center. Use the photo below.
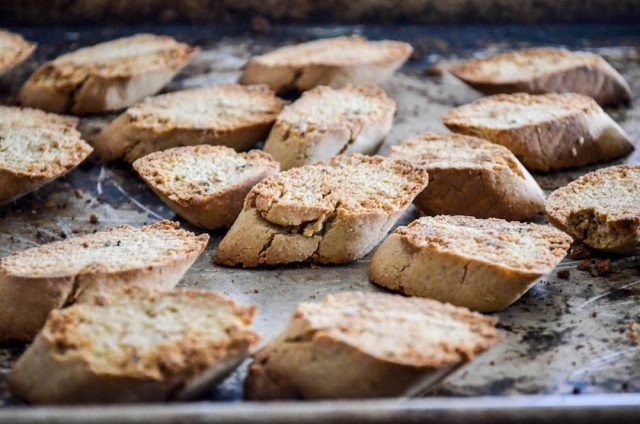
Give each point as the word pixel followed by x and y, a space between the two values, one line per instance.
pixel 546 132
pixel 471 176
pixel 13 50
pixel 206 185
pixel 326 122
pixel 35 148
pixel 330 213
pixel 334 62
pixel 139 346
pixel 367 345
pixel 546 70
pixel 481 264
pixel 601 209
pixel 231 115
pixel 105 77
pixel 39 279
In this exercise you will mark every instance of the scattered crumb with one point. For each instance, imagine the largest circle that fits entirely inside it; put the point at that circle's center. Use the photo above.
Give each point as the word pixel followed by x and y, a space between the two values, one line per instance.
pixel 633 332
pixel 63 235
pixel 256 291
pixel 594 314
pixel 75 231
pixel 314 266
pixel 584 265
pixel 93 219
pixel 492 363
pixel 602 267
pixel 576 390
pixel 78 193
pixel 579 251
pixel 50 205
pixel 563 274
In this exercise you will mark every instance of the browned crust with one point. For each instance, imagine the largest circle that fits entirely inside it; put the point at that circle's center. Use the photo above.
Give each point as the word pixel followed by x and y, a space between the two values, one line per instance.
pixel 26 50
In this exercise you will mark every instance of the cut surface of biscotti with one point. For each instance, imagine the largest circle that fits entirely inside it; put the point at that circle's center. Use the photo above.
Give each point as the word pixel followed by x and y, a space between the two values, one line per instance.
pixel 546 70
pixel 334 62
pixel 365 345
pixel 326 122
pixel 232 115
pixel 471 176
pixel 601 209
pixel 108 76
pixel 331 212
pixel 546 132
pixel 481 264
pixel 206 185
pixel 139 346
pixel 13 50
pixel 39 279
pixel 35 148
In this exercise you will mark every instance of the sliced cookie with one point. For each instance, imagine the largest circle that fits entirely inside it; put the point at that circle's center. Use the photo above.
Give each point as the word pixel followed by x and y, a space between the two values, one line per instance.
pixel 13 50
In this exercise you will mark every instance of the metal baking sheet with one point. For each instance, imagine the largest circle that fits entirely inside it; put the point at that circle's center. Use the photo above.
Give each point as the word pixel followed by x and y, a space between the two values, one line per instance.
pixel 569 340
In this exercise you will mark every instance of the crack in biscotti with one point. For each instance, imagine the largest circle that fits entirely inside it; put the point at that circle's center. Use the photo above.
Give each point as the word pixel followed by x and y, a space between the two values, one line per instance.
pixel 73 94
pixel 464 272
pixel 352 139
pixel 73 293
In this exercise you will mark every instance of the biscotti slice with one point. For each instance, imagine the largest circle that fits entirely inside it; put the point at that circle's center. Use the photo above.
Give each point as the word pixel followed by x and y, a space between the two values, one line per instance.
pixel 367 345
pixel 206 185
pixel 471 176
pixel 13 50
pixel 546 70
pixel 546 132
pixel 601 209
pixel 326 122
pixel 230 115
pixel 335 62
pixel 330 213
pixel 35 148
pixel 37 280
pixel 105 77
pixel 139 346
pixel 481 264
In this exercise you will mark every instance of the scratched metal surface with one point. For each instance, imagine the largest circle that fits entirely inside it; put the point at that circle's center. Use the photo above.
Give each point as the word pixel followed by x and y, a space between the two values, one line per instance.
pixel 564 337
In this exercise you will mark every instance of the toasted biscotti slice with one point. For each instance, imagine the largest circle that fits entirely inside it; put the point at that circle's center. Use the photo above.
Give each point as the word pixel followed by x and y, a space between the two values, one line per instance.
pixel 206 185
pixel 37 280
pixel 546 132
pixel 139 346
pixel 335 62
pixel 36 148
pixel 367 345
pixel 230 115
pixel 481 264
pixel 332 212
pixel 105 77
pixel 546 70
pixel 13 50
pixel 601 209
pixel 471 176
pixel 326 122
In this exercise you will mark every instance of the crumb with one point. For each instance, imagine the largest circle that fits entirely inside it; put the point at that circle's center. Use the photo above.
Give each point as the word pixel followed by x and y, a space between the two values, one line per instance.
pixel 85 245
pixel 50 205
pixel 576 390
pixel 563 274
pixel 256 291
pixel 594 314
pixel 584 265
pixel 78 193
pixel 314 266
pixel 492 363
pixel 93 218
pixel 75 231
pixel 63 235
pixel 633 331
pixel 625 386
pixel 602 267
pixel 579 251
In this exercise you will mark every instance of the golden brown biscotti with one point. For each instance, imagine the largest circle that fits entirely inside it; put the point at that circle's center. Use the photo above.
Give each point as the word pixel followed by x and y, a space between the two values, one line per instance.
pixel 37 280
pixel 334 62
pixel 547 131
pixel 13 50
pixel 36 148
pixel 231 115
pixel 481 264
pixel 332 212
pixel 471 176
pixel 105 77
pixel 326 122
pixel 206 185
pixel 139 346
pixel 601 209
pixel 367 345
pixel 546 70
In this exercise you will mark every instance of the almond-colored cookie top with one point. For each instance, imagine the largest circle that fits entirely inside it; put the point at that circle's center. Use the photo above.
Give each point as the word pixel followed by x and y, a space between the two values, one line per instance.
pixel 117 249
pixel 151 334
pixel 523 65
pixel 224 107
pixel 513 245
pixel 507 111
pixel 339 51
pixel 323 108
pixel 191 173
pixel 13 49
pixel 612 192
pixel 455 151
pixel 344 184
pixel 409 331
pixel 39 144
